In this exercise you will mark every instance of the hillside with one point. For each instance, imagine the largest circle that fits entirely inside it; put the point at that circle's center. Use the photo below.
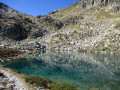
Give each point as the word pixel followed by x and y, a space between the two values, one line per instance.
pixel 87 25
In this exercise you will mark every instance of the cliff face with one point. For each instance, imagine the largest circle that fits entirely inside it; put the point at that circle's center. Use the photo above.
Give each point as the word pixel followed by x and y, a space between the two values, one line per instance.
pixel 87 3
pixel 13 24
pixel 85 25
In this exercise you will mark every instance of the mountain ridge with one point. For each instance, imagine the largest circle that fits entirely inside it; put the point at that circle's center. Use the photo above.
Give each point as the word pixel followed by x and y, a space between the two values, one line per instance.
pixel 87 25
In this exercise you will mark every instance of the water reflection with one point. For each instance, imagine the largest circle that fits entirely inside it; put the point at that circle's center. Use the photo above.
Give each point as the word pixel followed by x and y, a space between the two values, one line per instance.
pixel 85 70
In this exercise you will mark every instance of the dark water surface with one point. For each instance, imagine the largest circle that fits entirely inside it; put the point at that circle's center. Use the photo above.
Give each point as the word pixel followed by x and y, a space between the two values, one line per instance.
pixel 84 70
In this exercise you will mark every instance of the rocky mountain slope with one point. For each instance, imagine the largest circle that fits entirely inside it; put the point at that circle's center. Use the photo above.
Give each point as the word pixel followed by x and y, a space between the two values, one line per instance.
pixel 16 25
pixel 87 25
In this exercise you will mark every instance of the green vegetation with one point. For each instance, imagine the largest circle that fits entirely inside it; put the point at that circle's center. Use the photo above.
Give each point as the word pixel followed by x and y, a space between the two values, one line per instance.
pixel 62 86
pixel 47 83
pixel 7 52
pixel 106 14
pixel 117 25
pixel 38 81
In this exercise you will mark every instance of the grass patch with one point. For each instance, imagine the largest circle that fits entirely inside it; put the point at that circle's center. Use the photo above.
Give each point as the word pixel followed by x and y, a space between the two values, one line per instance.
pixel 47 83
pixel 117 26
pixel 106 14
pixel 62 86
pixel 38 81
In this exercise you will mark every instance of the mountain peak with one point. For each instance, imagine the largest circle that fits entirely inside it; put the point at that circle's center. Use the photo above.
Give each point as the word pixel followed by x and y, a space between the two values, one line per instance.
pixel 2 5
pixel 87 3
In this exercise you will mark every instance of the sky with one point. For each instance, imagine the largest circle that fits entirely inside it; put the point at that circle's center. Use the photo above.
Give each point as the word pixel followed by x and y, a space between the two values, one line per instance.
pixel 37 7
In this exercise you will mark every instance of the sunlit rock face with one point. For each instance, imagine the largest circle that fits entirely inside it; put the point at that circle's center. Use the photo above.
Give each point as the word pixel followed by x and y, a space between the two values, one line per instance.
pixel 82 69
pixel 87 25
pixel 87 3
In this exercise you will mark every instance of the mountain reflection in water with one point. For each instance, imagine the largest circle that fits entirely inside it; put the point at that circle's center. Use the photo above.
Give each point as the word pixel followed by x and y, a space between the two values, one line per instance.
pixel 85 70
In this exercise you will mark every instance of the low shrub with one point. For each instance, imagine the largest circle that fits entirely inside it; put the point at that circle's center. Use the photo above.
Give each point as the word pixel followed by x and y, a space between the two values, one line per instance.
pixel 62 86
pixel 117 25
pixel 38 81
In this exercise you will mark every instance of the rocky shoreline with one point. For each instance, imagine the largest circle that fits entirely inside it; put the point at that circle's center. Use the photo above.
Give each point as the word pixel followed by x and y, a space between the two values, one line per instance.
pixel 9 59
pixel 10 81
pixel 17 57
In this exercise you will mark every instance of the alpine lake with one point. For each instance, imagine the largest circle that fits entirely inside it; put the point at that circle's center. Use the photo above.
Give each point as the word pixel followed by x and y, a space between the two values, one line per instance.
pixel 85 70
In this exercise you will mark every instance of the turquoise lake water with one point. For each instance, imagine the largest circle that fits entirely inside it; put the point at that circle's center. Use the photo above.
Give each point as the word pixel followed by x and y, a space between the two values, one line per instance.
pixel 84 70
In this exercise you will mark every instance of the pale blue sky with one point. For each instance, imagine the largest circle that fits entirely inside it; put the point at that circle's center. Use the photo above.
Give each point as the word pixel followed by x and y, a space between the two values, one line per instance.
pixel 37 7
